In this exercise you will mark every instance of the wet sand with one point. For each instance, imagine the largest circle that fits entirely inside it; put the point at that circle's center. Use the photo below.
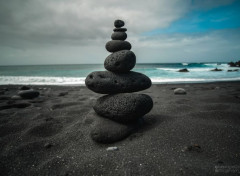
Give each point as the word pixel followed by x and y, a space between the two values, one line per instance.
pixel 193 134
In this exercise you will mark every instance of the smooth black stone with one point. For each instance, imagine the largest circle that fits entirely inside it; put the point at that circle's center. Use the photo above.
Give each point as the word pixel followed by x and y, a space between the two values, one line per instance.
pixel 117 45
pixel 28 94
pixel 119 36
pixel 120 61
pixel 25 88
pixel 15 105
pixel 124 108
pixel 118 23
pixel 120 29
pixel 106 82
pixel 108 131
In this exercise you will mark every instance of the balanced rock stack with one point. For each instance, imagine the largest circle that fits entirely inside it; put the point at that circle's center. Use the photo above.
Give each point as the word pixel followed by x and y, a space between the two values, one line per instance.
pixel 118 113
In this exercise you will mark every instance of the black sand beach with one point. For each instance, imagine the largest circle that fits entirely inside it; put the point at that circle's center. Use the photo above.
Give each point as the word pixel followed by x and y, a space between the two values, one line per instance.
pixel 193 134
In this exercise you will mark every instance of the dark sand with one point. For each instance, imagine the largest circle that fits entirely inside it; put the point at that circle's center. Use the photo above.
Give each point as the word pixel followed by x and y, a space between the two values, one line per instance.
pixel 193 134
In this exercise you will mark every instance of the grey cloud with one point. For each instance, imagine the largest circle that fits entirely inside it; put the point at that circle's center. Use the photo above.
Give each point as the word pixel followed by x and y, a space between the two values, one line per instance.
pixel 47 31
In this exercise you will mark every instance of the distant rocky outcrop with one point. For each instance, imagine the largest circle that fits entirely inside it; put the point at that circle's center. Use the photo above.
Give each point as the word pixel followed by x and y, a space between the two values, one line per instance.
pixel 234 64
pixel 216 69
pixel 235 70
pixel 183 70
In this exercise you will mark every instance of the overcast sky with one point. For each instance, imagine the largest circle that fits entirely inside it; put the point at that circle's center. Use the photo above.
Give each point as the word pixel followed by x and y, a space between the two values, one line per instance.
pixel 76 31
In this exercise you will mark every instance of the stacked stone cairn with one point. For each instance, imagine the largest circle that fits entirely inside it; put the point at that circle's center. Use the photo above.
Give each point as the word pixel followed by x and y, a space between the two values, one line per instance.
pixel 119 113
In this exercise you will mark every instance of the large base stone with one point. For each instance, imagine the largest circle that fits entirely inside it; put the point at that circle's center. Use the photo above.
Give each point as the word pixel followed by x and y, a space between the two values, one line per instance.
pixel 108 131
pixel 123 108
pixel 106 82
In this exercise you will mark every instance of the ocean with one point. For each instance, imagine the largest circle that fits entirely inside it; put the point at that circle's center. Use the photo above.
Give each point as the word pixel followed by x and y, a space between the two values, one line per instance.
pixel 76 74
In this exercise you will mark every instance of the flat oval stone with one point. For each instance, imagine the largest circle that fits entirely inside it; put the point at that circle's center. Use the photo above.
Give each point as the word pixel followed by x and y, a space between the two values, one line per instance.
pixel 119 36
pixel 120 29
pixel 120 61
pixel 118 23
pixel 28 94
pixel 108 131
pixel 106 82
pixel 124 108
pixel 117 45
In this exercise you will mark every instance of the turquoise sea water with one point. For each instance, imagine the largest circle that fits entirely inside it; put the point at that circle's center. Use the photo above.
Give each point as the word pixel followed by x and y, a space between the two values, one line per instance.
pixel 75 74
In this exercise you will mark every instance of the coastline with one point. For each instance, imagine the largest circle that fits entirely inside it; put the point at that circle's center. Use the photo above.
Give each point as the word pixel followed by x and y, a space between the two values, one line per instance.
pixel 190 134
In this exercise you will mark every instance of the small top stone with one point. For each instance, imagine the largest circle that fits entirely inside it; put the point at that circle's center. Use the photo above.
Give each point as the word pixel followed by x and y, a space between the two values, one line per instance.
pixel 118 23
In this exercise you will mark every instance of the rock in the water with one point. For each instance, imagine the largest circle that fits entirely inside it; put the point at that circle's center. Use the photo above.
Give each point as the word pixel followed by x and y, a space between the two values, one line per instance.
pixel 117 45
pixel 120 61
pixel 216 69
pixel 110 83
pixel 25 88
pixel 124 107
pixel 28 94
pixel 180 91
pixel 119 36
pixel 234 64
pixel 183 70
pixel 235 70
pixel 118 23
pixel 119 29
pixel 108 131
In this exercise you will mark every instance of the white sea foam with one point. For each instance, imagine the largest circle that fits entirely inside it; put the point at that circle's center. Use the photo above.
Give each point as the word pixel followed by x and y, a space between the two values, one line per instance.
pixel 184 63
pixel 168 69
pixel 32 80
pixel 190 80
pixel 190 69
pixel 23 80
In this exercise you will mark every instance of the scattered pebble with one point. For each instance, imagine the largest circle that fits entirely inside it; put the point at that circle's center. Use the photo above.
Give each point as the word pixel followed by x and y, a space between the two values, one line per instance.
pixel 24 88
pixel 220 162
pixel 28 94
pixel 16 97
pixel 194 148
pixel 48 145
pixel 180 91
pixel 5 89
pixel 112 148
pixel 62 94
pixel 5 98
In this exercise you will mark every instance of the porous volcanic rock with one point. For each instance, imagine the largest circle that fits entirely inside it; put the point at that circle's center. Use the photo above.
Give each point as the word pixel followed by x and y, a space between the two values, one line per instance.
pixel 28 94
pixel 119 29
pixel 108 131
pixel 119 36
pixel 106 82
pixel 124 107
pixel 120 61
pixel 118 23
pixel 117 45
